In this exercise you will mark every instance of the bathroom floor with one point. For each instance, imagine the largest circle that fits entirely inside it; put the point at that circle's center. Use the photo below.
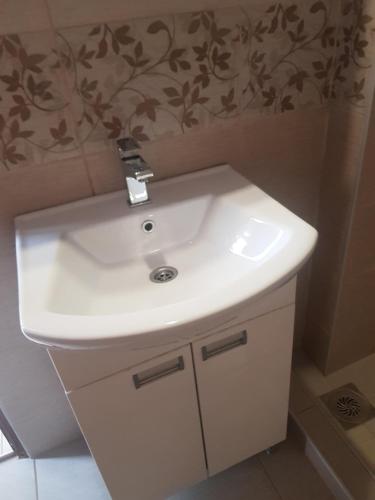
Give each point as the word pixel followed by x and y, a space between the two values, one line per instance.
pixel 5 448
pixel 69 473
pixel 362 375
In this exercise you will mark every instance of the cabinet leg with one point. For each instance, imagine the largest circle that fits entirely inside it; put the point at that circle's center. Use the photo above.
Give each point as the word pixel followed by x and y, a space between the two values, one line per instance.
pixel 269 451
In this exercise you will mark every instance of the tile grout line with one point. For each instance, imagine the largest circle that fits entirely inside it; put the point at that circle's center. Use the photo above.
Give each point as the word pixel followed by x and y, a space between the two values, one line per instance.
pixel 35 480
pixel 268 476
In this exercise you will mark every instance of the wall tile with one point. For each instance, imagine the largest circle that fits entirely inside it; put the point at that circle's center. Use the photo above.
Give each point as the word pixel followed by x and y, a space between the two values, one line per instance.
pixel 43 186
pixel 281 154
pixel 140 78
pixel 337 454
pixel 361 248
pixel 355 52
pixel 366 194
pixel 345 143
pixel 70 13
pixel 35 123
pixel 289 55
pixel 17 16
pixel 162 76
pixel 34 400
pixel 353 335
pixel 342 165
pixel 316 342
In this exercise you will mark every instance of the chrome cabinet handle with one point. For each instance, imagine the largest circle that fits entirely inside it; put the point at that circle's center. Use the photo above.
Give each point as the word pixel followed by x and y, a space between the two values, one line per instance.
pixel 236 340
pixel 163 370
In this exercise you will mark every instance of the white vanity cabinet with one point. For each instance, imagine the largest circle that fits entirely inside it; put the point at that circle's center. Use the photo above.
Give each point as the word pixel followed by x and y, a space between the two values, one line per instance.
pixel 143 428
pixel 164 424
pixel 243 384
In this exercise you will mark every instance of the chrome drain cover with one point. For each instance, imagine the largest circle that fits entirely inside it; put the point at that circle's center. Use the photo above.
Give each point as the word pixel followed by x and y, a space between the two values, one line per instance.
pixel 349 406
pixel 163 274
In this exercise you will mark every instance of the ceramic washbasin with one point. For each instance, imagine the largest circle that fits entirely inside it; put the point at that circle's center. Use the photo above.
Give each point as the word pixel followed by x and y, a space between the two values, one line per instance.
pixel 84 267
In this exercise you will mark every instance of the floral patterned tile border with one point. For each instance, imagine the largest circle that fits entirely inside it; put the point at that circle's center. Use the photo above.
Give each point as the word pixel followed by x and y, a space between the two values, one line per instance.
pixel 34 123
pixel 166 75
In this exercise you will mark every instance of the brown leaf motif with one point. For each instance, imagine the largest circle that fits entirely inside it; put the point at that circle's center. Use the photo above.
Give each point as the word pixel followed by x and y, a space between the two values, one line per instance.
pixel 179 71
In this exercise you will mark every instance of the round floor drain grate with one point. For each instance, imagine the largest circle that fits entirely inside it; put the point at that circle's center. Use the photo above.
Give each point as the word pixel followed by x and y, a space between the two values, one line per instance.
pixel 349 406
pixel 163 274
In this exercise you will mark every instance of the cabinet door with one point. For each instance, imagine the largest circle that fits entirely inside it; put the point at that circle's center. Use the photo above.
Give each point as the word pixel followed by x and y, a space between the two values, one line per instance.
pixel 143 428
pixel 243 385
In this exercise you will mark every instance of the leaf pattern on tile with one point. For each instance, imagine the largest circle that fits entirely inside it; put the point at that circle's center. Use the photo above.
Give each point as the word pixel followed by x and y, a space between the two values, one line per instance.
pixel 289 56
pixel 31 105
pixel 354 53
pixel 178 72
pixel 166 75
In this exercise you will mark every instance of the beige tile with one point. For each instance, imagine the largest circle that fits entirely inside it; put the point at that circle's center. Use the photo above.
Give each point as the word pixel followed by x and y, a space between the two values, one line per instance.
pixel 259 147
pixel 360 373
pixel 122 87
pixel 292 473
pixel 338 454
pixel 359 434
pixel 353 335
pixel 327 265
pixel 346 87
pixel 29 189
pixel 241 482
pixel 17 16
pixel 366 195
pixel 71 13
pixel 332 482
pixel 35 112
pixel 371 426
pixel 157 97
pixel 345 143
pixel 316 342
pixel 309 375
pixel 302 294
pixel 367 451
pixel 105 171
pixel 361 249
pixel 299 400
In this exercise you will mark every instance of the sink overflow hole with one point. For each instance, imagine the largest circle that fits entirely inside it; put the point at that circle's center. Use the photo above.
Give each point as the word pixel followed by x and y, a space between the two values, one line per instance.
pixel 148 226
pixel 163 274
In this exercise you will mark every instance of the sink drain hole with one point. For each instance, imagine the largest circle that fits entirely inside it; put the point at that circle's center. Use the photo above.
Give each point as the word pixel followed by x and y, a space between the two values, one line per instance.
pixel 163 274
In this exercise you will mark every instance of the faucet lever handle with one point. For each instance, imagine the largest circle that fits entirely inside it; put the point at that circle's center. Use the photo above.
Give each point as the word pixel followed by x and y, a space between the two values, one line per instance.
pixel 127 147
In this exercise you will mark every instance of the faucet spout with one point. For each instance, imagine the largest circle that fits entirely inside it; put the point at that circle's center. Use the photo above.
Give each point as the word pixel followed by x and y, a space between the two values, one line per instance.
pixel 137 172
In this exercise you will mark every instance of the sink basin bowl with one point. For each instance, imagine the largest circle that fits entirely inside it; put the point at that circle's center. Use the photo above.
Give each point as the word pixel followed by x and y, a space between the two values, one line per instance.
pixel 84 268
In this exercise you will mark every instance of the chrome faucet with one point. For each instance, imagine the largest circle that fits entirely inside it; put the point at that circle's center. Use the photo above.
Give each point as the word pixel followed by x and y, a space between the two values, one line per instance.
pixel 137 172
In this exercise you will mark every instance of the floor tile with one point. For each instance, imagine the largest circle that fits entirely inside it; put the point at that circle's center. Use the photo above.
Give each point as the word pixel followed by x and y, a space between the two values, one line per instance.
pixel 338 454
pixel 17 481
pixel 69 472
pixel 292 474
pixel 245 481
pixel 367 450
pixel 360 373
pixel 299 399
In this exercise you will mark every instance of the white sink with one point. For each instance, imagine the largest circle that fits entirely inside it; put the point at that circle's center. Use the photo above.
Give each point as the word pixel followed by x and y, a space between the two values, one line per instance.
pixel 84 268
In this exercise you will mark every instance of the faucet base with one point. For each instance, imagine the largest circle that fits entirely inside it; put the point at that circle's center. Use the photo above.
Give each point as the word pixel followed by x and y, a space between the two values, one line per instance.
pixel 138 203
